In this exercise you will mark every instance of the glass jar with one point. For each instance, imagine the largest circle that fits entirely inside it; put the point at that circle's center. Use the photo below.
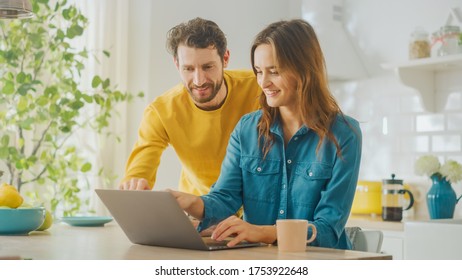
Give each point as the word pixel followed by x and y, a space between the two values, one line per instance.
pixel 393 200
pixel 419 45
pixel 449 36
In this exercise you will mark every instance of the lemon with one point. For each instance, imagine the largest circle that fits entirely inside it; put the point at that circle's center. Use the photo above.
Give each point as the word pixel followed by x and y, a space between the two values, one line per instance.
pixel 47 222
pixel 9 196
pixel 25 205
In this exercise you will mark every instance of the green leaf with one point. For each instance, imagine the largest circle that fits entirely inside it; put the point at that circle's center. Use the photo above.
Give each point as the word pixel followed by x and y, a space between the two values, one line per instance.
pixel 43 155
pixel 99 100
pixel 42 100
pixel 51 90
pixel 22 104
pixel 106 53
pixel 76 105
pixel 74 31
pixel 106 83
pixel 11 56
pixel 96 81
pixel 84 53
pixel 68 56
pixel 21 142
pixel 66 14
pixel 87 98
pixel 3 152
pixel 65 129
pixel 23 89
pixel 64 101
pixel 70 150
pixel 32 160
pixel 60 35
pixel 54 110
pixel 8 87
pixel 86 167
pixel 21 77
pixel 5 140
pixel 36 40
pixel 19 165
pixel 26 124
pixel 12 151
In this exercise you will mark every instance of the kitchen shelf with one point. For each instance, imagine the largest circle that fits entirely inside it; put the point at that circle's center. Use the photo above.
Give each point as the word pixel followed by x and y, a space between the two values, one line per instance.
pixel 420 74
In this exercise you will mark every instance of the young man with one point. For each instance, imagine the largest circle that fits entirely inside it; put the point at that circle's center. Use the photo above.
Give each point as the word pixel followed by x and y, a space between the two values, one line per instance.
pixel 195 117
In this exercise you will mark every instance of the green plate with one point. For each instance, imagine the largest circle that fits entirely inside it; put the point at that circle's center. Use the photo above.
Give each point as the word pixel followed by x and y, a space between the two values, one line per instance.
pixel 86 221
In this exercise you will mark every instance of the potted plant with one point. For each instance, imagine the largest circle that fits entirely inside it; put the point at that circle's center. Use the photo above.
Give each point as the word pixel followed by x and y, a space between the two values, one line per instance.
pixel 42 103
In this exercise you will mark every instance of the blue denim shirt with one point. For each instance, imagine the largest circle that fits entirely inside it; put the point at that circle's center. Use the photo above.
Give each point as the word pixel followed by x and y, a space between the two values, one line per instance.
pixel 292 182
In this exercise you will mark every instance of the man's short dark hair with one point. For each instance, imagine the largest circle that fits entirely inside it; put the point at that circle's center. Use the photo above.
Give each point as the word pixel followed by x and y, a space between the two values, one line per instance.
pixel 196 33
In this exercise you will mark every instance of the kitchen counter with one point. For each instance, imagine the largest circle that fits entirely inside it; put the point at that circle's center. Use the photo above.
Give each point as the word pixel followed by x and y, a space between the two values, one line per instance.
pixel 393 232
pixel 64 242
pixel 374 222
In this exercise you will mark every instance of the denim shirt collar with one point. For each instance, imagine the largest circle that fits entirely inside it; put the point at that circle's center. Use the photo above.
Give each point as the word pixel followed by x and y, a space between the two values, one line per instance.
pixel 276 128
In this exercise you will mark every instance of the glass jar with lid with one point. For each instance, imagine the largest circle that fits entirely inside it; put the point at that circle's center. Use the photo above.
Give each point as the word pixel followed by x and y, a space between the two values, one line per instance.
pixel 449 36
pixel 393 202
pixel 419 45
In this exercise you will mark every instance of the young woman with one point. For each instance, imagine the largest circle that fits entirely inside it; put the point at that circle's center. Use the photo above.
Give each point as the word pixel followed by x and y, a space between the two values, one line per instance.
pixel 296 158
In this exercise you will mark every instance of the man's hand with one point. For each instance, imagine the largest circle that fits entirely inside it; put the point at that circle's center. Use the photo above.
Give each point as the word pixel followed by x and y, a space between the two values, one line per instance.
pixel 139 184
pixel 190 203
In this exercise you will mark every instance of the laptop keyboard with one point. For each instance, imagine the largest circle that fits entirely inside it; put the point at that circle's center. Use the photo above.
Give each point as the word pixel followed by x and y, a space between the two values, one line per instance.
pixel 222 244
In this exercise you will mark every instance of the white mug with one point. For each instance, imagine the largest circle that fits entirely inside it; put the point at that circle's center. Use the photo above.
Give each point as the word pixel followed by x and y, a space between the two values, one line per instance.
pixel 292 233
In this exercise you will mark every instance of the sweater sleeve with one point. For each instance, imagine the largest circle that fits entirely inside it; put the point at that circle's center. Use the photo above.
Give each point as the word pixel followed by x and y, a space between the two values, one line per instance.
pixel 147 151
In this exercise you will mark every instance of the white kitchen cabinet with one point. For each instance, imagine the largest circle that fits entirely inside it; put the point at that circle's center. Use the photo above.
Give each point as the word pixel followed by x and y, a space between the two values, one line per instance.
pixel 420 74
pixel 393 244
pixel 438 239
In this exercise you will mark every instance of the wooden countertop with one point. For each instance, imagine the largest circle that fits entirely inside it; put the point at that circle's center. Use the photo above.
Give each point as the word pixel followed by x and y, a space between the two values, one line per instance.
pixel 64 242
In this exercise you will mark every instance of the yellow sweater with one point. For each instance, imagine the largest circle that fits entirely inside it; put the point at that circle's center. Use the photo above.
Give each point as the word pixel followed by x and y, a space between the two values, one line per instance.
pixel 199 137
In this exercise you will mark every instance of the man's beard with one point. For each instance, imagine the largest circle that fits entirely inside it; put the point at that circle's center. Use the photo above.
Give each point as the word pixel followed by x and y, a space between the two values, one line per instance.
pixel 201 100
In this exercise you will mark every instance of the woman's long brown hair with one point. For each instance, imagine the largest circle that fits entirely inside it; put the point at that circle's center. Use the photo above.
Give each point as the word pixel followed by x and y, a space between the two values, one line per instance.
pixel 298 52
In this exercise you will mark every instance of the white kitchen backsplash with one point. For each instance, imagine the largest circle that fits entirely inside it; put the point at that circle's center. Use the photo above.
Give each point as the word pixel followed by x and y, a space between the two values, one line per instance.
pixel 396 127
pixel 397 130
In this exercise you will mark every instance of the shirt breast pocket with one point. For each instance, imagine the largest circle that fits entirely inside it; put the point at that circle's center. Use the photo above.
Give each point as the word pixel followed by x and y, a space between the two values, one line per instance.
pixel 309 180
pixel 261 178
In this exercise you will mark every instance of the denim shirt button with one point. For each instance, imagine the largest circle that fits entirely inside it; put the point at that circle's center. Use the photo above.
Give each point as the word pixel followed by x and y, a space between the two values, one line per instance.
pixel 310 173
pixel 281 211
pixel 289 161
pixel 259 169
pixel 296 138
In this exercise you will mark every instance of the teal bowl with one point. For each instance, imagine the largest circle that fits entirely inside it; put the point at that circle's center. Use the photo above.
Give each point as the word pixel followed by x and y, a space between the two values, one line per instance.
pixel 21 221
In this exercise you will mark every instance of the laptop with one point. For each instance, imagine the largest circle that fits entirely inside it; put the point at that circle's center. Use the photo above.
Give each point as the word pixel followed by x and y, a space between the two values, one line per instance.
pixel 155 218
